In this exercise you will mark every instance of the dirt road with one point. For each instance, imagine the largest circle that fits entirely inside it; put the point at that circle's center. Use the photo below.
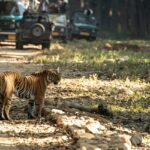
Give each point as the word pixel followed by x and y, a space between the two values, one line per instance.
pixel 62 128
pixel 24 134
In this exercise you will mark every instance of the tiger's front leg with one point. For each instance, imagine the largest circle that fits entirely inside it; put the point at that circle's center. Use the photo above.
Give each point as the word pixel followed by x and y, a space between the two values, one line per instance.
pixel 39 105
pixel 31 110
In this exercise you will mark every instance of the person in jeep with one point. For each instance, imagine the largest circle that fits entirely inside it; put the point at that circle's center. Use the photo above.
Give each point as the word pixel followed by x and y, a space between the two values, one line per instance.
pixel 62 4
pixel 44 6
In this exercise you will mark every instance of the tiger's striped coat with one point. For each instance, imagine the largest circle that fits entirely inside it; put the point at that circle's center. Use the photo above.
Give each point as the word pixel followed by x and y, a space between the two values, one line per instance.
pixel 31 87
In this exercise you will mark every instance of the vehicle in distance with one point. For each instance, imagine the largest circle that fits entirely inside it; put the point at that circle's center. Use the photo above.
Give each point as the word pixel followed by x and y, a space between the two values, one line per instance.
pixel 60 30
pixel 11 13
pixel 83 26
pixel 35 28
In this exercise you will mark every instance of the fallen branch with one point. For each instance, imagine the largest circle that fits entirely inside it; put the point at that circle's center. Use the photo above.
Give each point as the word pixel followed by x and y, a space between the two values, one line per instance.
pixel 102 108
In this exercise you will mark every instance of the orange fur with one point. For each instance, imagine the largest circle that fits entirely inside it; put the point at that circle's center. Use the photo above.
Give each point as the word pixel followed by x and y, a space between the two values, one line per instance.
pixel 32 87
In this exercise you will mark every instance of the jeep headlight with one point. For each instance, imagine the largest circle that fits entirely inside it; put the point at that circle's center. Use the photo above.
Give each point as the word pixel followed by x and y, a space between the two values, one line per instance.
pixel 76 29
pixel 12 24
pixel 62 29
pixel 17 24
pixel 93 31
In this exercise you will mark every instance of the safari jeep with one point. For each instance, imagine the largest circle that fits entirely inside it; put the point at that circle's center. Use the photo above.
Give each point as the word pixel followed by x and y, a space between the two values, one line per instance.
pixel 11 13
pixel 83 26
pixel 35 28
pixel 61 26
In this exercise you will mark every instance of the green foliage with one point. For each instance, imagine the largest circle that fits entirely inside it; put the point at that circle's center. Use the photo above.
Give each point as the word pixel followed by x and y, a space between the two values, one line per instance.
pixel 106 70
pixel 108 64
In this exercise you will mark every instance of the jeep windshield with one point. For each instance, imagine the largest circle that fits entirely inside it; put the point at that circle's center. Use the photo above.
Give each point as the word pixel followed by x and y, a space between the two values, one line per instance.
pixel 8 8
pixel 83 19
pixel 58 19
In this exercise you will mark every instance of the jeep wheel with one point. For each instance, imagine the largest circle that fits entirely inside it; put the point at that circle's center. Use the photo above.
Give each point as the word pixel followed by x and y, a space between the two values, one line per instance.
pixel 71 36
pixel 37 30
pixel 91 38
pixel 64 40
pixel 19 45
pixel 46 45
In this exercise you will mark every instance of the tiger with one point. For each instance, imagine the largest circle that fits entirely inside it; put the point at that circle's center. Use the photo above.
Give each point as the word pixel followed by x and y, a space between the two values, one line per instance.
pixel 31 87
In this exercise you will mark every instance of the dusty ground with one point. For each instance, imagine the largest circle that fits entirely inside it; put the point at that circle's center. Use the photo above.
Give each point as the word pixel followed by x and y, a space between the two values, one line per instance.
pixel 62 128
pixel 22 132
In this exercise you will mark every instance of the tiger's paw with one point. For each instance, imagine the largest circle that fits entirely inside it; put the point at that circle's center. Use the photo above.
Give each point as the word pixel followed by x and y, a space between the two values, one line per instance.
pixel 31 116
pixel 2 117
pixel 38 121
pixel 9 119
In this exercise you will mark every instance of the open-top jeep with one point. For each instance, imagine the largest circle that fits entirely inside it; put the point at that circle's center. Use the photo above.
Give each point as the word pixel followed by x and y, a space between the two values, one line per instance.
pixel 11 13
pixel 83 26
pixel 36 29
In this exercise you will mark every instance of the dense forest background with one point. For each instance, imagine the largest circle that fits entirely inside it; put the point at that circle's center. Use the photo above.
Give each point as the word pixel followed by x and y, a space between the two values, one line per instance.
pixel 124 18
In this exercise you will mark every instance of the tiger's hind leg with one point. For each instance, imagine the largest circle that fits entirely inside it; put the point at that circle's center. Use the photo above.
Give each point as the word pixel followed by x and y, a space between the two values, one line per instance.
pixel 31 110
pixel 6 108
pixel 2 117
pixel 7 104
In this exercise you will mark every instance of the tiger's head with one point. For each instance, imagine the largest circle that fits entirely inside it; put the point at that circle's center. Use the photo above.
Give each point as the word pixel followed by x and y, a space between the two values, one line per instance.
pixel 53 76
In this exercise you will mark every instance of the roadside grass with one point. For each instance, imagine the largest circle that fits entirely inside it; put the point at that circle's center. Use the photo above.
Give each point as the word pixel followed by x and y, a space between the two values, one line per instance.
pixel 93 73
pixel 108 64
